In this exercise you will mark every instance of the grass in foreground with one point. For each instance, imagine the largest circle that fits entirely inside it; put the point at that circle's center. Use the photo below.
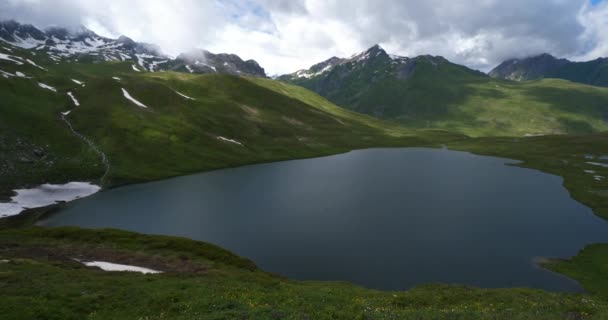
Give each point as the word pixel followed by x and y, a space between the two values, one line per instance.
pixel 202 281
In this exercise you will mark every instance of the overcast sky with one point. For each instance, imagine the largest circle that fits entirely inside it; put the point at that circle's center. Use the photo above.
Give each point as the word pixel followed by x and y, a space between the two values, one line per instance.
pixel 287 35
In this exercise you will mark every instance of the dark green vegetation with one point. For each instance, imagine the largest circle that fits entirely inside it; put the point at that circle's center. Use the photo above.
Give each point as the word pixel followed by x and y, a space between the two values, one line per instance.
pixel 273 121
pixel 594 72
pixel 431 92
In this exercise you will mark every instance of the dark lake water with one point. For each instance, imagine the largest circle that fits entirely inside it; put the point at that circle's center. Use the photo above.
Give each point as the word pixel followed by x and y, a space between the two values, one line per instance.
pixel 382 218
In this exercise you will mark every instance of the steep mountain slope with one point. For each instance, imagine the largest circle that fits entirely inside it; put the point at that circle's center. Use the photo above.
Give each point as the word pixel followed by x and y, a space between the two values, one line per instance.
pixel 385 86
pixel 431 92
pixel 593 72
pixel 63 45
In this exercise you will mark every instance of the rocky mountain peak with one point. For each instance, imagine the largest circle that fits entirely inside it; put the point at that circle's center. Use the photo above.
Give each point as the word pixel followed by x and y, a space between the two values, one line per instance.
pixel 530 68
pixel 203 61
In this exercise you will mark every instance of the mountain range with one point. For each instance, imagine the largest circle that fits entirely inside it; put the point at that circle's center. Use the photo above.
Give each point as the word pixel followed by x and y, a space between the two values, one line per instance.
pixel 82 45
pixel 593 72
pixel 426 91
pixel 383 85
pixel 432 92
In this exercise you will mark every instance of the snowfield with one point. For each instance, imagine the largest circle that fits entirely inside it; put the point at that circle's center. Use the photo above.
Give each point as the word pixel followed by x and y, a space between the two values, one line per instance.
pixel 45 195
pixel 154 64
pixel 28 43
pixel 128 96
pixel 206 65
pixel 140 59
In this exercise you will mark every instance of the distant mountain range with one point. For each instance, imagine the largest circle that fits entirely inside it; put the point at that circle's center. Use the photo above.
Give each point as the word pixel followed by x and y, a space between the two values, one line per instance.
pixel 203 61
pixel 84 45
pixel 432 92
pixel 593 72
pixel 418 92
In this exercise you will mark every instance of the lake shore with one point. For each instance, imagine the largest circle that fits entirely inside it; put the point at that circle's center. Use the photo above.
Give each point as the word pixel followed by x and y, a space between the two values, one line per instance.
pixel 535 153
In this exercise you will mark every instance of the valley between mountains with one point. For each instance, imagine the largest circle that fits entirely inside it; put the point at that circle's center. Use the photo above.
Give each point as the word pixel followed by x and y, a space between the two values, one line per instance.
pixel 76 106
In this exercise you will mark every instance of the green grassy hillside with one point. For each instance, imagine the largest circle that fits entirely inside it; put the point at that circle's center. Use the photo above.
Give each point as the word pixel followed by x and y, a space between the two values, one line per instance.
pixel 41 280
pixel 431 92
pixel 175 135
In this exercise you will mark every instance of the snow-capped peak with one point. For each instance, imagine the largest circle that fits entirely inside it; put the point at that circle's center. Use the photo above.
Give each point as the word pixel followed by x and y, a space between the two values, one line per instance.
pixel 61 43
pixel 82 44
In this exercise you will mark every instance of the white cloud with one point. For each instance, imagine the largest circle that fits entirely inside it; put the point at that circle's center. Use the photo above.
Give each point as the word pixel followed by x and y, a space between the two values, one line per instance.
pixel 594 40
pixel 286 35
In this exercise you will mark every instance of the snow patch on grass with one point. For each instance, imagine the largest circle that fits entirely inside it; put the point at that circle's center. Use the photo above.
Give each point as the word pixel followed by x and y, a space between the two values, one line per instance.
pixel 116 78
pixel 185 96
pixel 229 140
pixel 605 165
pixel 46 86
pixel 78 82
pixel 76 103
pixel 45 195
pixel 9 58
pixel 135 68
pixel 35 65
pixel 189 69
pixel 109 266
pixel 6 74
pixel 128 96
pixel 10 75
